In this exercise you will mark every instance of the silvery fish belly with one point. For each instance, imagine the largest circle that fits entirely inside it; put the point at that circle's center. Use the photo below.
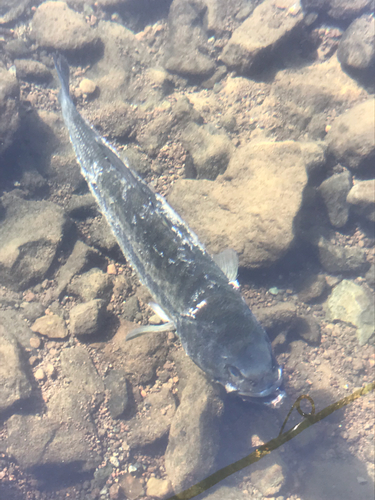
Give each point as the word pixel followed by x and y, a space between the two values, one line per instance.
pixel 216 327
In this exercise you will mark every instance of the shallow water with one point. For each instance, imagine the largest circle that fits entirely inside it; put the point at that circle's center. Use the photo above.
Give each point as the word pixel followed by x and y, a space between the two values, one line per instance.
pixel 241 114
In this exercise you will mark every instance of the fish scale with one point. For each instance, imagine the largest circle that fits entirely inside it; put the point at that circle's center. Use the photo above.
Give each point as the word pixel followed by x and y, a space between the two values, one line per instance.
pixel 215 325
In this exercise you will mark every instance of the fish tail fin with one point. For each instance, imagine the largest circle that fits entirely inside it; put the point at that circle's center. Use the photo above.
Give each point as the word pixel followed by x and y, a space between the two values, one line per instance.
pixel 62 68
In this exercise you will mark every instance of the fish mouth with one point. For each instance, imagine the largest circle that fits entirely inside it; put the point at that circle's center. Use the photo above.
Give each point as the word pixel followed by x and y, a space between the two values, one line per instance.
pixel 272 396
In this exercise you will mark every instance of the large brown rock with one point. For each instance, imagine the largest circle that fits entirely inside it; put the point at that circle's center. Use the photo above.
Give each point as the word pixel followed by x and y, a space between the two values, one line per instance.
pixel 351 139
pixel 57 27
pixel 271 24
pixel 252 207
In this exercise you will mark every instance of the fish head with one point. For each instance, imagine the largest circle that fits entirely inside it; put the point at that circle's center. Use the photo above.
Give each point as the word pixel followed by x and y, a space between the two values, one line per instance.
pixel 237 353
pixel 254 374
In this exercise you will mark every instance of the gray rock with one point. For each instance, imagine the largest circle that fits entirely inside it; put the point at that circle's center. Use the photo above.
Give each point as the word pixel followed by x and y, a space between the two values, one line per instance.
pixel 341 10
pixel 154 421
pixel 210 152
pixel 334 191
pixel 268 477
pixel 314 157
pixel 76 365
pixel 100 235
pixel 351 139
pixel 260 227
pixel 50 446
pixel 312 288
pixel 117 386
pixel 362 198
pixel 277 319
pixel 194 435
pixel 307 327
pixel 370 276
pixel 253 43
pixel 51 326
pixel 57 27
pixel 32 310
pixel 32 71
pixel 130 308
pixel 353 304
pixel 338 259
pixel 12 9
pixel 187 48
pixel 9 102
pixel 32 232
pixel 92 285
pixel 87 318
pixel 356 49
pixel 79 206
pixel 77 261
pixel 140 357
pixel 14 382
pixel 14 324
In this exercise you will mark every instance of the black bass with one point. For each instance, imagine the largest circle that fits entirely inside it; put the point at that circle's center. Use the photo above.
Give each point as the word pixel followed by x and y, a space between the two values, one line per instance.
pixel 216 327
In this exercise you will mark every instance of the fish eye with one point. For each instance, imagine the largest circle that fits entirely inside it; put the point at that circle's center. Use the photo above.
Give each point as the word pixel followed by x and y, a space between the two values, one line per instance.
pixel 234 372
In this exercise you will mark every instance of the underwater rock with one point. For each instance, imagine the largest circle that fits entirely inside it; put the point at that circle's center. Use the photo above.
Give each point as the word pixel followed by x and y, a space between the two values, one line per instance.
pixel 139 357
pixel 154 421
pixel 14 324
pixel 351 139
pixel 77 261
pixel 334 191
pixel 362 198
pixel 312 288
pixel 77 367
pixel 253 44
pixel 51 326
pixel 12 9
pixel 32 71
pixel 51 446
pixel 94 284
pixel 210 152
pixel 14 382
pixel 87 318
pixel 339 259
pixel 158 488
pixel 32 231
pixel 9 102
pixel 251 207
pixel 352 304
pixel 187 47
pixel 194 435
pixel 341 10
pixel 55 26
pixel 117 386
pixel 356 49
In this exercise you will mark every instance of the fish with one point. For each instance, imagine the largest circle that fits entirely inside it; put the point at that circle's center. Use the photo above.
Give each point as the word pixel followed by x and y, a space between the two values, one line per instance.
pixel 195 293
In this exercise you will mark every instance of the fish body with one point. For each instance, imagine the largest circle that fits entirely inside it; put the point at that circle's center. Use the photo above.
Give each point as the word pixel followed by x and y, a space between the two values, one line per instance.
pixel 216 327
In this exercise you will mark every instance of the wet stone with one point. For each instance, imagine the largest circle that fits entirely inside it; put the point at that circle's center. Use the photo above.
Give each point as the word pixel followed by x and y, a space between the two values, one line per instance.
pixel 32 231
pixel 14 324
pixel 356 49
pixel 131 486
pixel 334 191
pixel 312 288
pixel 351 139
pixel 338 259
pixel 352 304
pixel 253 43
pixel 92 285
pixel 117 385
pixel 194 435
pixel 9 100
pixel 130 308
pixel 158 488
pixel 87 318
pixel 55 26
pixel 210 152
pixel 51 326
pixel 77 366
pixel 14 382
pixel 361 197
pixel 32 71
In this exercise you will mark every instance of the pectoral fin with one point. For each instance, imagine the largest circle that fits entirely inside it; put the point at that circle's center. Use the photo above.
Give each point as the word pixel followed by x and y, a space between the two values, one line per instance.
pixel 227 260
pixel 142 330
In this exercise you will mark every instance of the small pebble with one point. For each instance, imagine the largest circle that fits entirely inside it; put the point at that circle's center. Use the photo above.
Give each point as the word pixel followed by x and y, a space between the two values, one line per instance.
pixel 114 461
pixel 39 374
pixel 87 86
pixel 50 370
pixel 35 342
pixel 111 269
